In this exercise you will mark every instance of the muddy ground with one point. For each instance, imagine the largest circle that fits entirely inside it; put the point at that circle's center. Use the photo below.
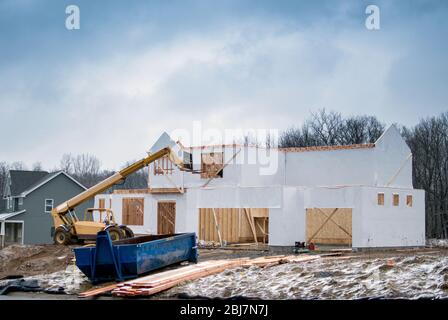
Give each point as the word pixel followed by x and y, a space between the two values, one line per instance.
pixel 419 273
pixel 29 260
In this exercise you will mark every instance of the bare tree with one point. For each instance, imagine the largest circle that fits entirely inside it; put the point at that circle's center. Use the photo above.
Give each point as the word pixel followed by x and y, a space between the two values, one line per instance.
pixel 4 168
pixel 136 180
pixel 330 128
pixel 360 129
pixel 326 127
pixel 17 165
pixel 66 163
pixel 428 141
pixel 37 166
pixel 83 167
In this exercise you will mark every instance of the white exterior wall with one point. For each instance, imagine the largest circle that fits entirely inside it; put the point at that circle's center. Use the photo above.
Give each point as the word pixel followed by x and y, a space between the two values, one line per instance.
pixel 372 225
pixel 387 164
pixel 390 226
pixel 150 210
pixel 286 223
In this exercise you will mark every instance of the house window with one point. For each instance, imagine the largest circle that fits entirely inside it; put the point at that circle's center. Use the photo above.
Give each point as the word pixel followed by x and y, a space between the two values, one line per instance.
pixel 48 205
pixel 163 166
pixel 396 199
pixel 20 201
pixel 409 200
pixel 133 210
pixel 381 199
pixel 212 165
pixel 8 203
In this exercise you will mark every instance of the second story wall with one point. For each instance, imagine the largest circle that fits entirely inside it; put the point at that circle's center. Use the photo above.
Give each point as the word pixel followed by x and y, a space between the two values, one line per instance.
pixel 388 162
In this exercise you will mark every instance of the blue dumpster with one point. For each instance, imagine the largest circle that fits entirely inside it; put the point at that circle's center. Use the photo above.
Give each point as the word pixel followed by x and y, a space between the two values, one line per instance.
pixel 130 258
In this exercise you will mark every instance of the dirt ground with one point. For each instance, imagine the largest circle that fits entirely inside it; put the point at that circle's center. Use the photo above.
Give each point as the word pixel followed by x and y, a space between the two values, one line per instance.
pixel 406 273
pixel 29 260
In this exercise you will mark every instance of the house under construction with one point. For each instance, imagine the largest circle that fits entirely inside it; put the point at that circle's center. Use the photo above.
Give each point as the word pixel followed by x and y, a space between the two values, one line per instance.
pixel 356 195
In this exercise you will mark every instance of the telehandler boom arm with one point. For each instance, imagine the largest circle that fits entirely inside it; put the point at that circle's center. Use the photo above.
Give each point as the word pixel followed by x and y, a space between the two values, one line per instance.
pixel 68 205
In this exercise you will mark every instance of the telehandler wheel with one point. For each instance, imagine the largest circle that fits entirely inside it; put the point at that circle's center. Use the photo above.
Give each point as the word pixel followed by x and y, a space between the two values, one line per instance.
pixel 115 233
pixel 127 232
pixel 62 237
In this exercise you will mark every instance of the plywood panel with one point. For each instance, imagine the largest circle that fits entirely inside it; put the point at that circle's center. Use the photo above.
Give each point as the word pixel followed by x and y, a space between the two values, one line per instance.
pixel 233 224
pixel 211 163
pixel 166 217
pixel 133 211
pixel 329 225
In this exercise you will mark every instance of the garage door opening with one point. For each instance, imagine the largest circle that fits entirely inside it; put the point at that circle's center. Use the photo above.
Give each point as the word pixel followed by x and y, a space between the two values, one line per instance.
pixel 234 225
pixel 329 226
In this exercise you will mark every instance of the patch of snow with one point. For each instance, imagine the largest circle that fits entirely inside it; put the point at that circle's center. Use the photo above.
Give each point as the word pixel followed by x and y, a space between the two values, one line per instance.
pixel 437 243
pixel 401 277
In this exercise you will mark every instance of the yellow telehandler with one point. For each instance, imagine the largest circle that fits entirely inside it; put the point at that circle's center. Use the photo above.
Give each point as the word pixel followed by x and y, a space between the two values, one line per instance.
pixel 70 229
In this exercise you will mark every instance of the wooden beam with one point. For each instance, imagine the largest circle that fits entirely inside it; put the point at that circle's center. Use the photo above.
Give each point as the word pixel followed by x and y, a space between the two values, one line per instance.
pixel 165 190
pixel 217 226
pixel 251 223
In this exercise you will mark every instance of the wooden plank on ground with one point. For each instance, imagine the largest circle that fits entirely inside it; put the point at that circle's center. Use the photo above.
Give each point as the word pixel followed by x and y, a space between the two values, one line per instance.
pixel 161 281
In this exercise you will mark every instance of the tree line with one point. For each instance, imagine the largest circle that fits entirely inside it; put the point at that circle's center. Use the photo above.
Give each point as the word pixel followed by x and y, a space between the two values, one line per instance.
pixel 428 141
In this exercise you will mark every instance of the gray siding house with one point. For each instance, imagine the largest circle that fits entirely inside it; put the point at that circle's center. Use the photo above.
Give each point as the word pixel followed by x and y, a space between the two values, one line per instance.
pixel 28 199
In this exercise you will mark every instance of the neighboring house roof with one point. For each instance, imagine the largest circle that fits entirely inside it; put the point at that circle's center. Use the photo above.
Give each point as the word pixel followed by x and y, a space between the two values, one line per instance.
pixel 5 216
pixel 46 179
pixel 24 182
pixel 21 180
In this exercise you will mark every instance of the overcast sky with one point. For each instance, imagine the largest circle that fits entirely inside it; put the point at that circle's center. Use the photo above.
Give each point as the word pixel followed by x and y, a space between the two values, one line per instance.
pixel 138 68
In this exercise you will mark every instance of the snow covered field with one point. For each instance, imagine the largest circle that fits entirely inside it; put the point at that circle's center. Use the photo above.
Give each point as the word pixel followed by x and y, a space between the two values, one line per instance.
pixel 410 277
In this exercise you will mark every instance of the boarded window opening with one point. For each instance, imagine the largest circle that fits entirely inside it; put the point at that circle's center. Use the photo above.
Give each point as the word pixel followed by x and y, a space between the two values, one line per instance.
pixel 166 217
pixel 381 199
pixel 163 166
pixel 133 211
pixel 396 200
pixel 409 200
pixel 211 163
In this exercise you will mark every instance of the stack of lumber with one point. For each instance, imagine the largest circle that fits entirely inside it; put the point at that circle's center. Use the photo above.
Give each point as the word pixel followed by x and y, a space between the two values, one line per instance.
pixel 154 283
